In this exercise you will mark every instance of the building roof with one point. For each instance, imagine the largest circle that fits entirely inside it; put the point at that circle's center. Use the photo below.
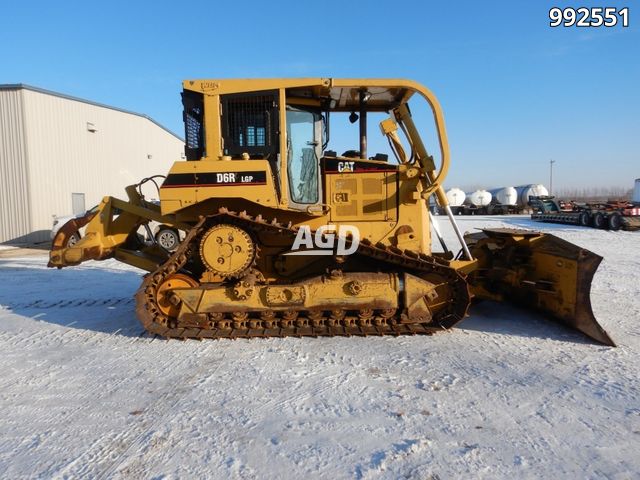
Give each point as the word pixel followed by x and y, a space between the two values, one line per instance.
pixel 18 86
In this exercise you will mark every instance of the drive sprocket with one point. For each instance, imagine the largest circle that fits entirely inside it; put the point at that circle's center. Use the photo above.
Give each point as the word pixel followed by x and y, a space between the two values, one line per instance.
pixel 227 250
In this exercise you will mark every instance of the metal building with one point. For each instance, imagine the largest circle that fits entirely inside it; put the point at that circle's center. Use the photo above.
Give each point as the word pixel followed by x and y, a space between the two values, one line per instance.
pixel 60 155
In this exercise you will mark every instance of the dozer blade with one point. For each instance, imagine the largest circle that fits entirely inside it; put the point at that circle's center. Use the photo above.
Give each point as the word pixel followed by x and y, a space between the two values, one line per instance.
pixel 539 271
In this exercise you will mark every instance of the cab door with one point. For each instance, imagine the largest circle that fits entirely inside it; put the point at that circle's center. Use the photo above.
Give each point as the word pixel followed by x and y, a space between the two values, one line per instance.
pixel 304 141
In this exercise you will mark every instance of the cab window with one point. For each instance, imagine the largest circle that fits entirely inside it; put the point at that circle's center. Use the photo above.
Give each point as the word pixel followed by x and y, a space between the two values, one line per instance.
pixel 302 147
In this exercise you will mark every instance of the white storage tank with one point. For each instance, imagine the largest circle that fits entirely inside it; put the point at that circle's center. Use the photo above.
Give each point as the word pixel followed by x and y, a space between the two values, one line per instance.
pixel 504 195
pixel 531 190
pixel 479 198
pixel 455 197
pixel 636 191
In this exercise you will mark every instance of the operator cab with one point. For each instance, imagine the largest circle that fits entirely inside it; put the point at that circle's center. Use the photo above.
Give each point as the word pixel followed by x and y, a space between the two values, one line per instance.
pixel 295 140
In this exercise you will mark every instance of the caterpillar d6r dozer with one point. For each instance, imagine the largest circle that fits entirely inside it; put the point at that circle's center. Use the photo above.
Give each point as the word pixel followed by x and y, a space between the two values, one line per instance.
pixel 282 236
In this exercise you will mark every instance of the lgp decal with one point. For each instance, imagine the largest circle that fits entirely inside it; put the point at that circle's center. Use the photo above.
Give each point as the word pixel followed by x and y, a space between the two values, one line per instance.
pixel 213 179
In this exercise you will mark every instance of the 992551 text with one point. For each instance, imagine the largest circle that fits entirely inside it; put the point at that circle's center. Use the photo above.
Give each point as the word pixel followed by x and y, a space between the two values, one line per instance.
pixel 589 17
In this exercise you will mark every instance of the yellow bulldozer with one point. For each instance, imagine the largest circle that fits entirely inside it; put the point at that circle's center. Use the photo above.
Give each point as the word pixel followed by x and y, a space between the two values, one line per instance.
pixel 283 236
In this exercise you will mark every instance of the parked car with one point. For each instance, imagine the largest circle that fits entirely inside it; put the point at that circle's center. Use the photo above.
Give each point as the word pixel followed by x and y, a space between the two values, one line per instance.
pixel 165 236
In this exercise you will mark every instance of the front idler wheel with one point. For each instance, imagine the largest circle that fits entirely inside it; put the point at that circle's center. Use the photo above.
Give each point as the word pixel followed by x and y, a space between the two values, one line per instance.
pixel 167 301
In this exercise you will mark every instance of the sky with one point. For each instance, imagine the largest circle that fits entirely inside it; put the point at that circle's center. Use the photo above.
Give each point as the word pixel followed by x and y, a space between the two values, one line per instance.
pixel 516 93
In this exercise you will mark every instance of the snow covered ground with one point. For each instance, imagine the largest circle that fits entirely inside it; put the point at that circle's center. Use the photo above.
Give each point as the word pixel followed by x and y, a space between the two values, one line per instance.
pixel 508 394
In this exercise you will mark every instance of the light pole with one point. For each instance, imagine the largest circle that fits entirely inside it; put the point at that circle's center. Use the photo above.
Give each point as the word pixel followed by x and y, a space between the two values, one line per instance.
pixel 551 162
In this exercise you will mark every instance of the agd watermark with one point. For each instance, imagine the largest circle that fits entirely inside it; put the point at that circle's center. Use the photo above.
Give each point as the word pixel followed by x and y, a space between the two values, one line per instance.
pixel 326 240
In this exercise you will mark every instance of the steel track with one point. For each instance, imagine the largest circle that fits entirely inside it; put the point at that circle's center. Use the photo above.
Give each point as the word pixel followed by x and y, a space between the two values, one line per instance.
pixel 301 323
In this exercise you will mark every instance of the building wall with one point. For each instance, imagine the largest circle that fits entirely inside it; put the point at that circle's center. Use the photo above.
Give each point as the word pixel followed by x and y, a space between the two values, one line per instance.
pixel 64 157
pixel 14 191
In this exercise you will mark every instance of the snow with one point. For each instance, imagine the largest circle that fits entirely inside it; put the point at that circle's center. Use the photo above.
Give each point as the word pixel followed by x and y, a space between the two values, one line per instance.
pixel 507 394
